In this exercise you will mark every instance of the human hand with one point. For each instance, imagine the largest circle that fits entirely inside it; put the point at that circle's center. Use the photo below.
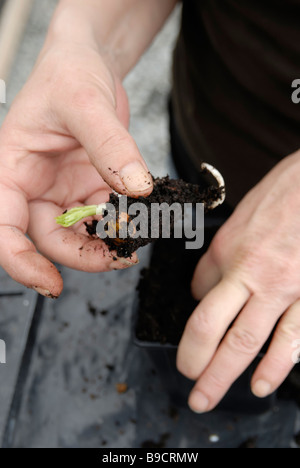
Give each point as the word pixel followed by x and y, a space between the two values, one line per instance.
pixel 249 276
pixel 67 127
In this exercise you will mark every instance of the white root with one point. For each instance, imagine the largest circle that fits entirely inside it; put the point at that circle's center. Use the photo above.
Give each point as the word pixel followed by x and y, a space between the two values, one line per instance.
pixel 221 183
pixel 100 209
pixel 205 167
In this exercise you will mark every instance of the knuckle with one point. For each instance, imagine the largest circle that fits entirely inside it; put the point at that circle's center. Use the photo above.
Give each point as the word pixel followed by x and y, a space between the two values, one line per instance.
pixel 242 341
pixel 217 247
pixel 217 381
pixel 114 139
pixel 201 327
pixel 187 369
pixel 288 331
pixel 85 97
pixel 278 362
pixel 115 143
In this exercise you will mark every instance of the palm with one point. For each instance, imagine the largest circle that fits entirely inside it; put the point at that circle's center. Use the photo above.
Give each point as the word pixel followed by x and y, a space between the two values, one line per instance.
pixel 53 152
pixel 67 179
pixel 54 183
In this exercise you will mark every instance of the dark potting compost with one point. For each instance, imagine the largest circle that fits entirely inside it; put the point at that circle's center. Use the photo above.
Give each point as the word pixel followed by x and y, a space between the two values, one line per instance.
pixel 164 304
pixel 165 190
pixel 164 292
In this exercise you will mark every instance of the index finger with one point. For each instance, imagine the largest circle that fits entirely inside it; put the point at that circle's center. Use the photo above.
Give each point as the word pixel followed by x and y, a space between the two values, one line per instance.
pixel 208 324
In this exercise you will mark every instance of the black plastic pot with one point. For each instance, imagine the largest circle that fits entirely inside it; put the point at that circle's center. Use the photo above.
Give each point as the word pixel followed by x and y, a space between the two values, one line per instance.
pixel 238 399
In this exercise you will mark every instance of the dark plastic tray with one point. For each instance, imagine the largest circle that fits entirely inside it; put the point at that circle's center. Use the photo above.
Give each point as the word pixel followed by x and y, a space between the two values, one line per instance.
pixel 238 399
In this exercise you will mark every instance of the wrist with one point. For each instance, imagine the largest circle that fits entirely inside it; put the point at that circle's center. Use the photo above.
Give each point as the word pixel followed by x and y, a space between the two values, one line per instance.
pixel 120 30
pixel 80 25
pixel 73 23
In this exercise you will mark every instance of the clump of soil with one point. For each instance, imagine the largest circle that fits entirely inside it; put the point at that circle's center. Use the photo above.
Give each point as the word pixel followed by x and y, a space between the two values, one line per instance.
pixel 164 291
pixel 121 387
pixel 91 228
pixel 165 190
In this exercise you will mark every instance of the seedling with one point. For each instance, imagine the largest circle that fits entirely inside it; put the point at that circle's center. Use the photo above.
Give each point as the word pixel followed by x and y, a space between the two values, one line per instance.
pixel 165 190
pixel 74 215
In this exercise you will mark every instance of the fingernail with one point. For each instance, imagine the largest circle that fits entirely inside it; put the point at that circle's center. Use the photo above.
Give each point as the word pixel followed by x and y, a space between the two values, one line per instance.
pixel 43 292
pixel 261 388
pixel 128 263
pixel 123 261
pixel 135 177
pixel 198 402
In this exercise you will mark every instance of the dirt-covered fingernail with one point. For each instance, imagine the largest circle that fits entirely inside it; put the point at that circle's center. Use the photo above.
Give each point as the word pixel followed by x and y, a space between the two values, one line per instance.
pixel 120 262
pixel 135 178
pixel 43 292
pixel 128 263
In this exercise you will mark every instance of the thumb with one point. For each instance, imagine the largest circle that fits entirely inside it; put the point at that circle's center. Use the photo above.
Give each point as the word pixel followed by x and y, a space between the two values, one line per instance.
pixel 93 121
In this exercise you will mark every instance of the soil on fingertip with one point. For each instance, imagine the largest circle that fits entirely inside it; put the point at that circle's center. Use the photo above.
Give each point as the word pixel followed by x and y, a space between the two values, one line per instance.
pixel 165 190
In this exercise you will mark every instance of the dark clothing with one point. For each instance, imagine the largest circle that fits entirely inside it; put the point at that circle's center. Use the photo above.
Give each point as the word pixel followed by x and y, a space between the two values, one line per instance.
pixel 187 170
pixel 234 64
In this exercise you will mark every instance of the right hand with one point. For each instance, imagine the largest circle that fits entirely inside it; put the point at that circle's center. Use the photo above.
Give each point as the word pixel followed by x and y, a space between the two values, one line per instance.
pixel 64 143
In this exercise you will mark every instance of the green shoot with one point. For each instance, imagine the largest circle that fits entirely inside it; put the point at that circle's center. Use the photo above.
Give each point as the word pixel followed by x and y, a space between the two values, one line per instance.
pixel 77 214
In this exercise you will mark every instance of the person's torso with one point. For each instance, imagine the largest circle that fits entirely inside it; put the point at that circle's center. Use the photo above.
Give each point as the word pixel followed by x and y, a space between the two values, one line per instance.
pixel 234 65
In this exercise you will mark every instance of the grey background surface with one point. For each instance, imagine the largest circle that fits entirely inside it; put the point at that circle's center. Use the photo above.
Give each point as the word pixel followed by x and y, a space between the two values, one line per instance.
pixel 65 357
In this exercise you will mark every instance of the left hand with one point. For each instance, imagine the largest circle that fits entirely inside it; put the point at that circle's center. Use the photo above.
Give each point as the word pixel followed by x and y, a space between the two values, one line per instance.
pixel 250 276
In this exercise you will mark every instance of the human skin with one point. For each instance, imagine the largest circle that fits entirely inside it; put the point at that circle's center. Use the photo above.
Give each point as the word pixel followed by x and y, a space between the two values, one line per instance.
pixel 65 140
pixel 64 131
pixel 249 275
